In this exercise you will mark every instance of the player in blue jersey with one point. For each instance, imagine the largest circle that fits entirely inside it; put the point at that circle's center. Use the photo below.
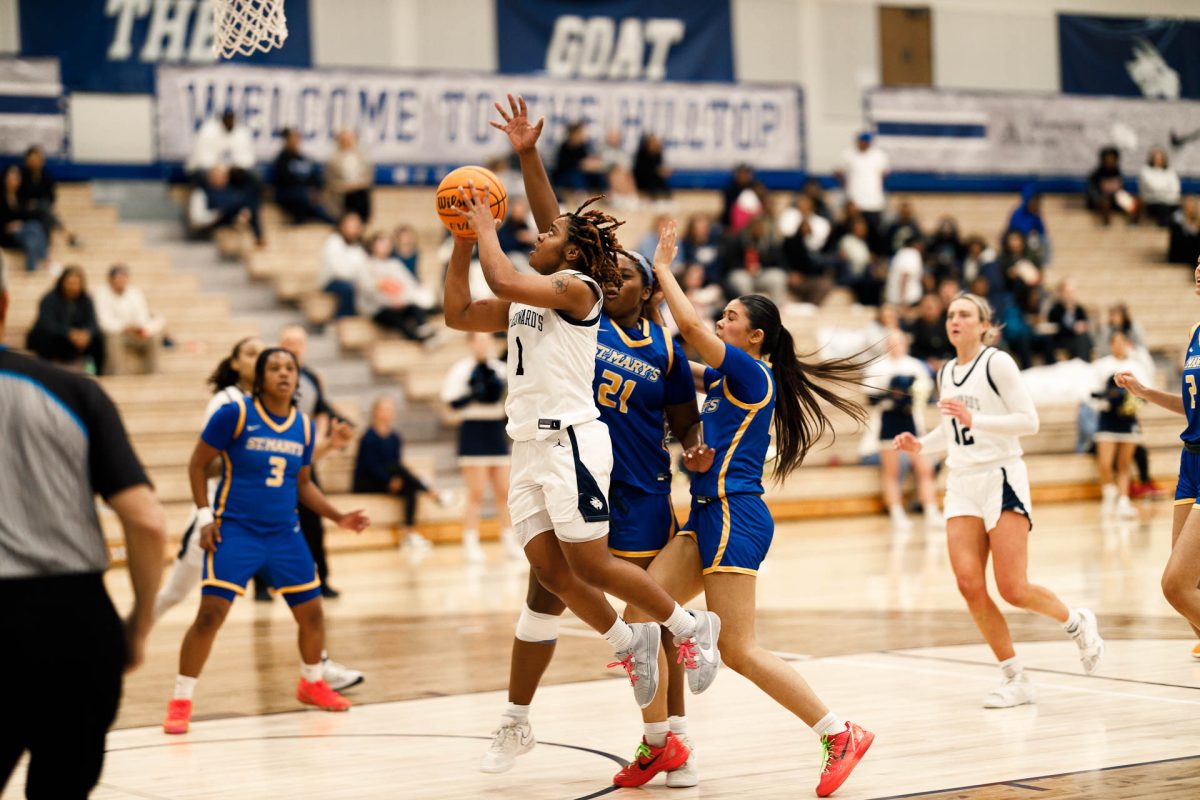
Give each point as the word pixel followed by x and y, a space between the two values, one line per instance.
pixel 1182 575
pixel 754 382
pixel 265 445
pixel 642 385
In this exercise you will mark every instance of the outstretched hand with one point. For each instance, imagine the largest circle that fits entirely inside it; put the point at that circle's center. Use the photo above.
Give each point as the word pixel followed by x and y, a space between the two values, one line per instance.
pixel 907 443
pixel 475 208
pixel 521 134
pixel 664 254
pixel 356 521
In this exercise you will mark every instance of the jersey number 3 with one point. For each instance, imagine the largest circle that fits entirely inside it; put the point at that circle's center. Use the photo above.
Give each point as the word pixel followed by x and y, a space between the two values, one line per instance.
pixel 614 385
pixel 278 468
pixel 962 435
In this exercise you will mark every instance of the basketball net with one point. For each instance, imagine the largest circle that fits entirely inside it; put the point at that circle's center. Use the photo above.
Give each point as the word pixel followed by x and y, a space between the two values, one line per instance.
pixel 246 26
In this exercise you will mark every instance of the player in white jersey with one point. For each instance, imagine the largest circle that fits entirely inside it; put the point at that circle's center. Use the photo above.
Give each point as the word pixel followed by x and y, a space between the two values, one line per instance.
pixel 231 380
pixel 986 409
pixel 562 453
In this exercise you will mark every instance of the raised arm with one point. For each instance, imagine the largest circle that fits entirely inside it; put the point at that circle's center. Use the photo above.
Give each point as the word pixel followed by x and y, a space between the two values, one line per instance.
pixel 562 292
pixel 524 138
pixel 693 329
pixel 463 313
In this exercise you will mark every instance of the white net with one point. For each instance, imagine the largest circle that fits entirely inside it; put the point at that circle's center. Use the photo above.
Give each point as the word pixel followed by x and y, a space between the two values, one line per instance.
pixel 246 26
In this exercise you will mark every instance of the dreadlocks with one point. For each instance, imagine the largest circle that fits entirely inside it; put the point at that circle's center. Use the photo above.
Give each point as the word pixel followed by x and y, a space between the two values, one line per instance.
pixel 594 233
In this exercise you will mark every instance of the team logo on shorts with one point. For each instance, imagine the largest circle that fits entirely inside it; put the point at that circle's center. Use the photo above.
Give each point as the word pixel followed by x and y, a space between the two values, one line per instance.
pixel 595 503
pixel 711 406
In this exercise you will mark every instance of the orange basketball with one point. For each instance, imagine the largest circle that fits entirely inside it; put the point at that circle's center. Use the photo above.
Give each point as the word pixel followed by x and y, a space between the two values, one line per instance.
pixel 449 199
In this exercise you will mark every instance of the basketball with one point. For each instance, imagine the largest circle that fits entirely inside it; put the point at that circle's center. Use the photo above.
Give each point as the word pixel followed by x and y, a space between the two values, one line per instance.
pixel 449 198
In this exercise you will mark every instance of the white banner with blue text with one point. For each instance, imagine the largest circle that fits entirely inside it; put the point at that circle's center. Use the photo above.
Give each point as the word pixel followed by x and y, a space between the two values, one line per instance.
pixel 442 118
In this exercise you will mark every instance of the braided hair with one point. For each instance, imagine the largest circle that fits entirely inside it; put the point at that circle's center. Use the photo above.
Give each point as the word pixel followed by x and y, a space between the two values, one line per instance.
pixel 594 233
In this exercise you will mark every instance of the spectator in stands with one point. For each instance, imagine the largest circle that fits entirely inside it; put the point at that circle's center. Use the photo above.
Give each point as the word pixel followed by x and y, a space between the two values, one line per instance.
pixel 815 192
pixel 701 246
pixel 1069 321
pixel 979 260
pixel 649 172
pixel 903 228
pixel 216 203
pixel 928 331
pixel 66 331
pixel 1118 318
pixel 905 279
pixel 811 273
pixel 1184 246
pixel 1158 186
pixel 803 210
pixel 39 192
pixel 349 176
pixel 854 249
pixel 343 261
pixel 743 199
pixel 946 250
pixel 518 234
pixel 130 329
pixel 379 468
pixel 618 169
pixel 298 182
pixel 474 388
pixel 1019 267
pixel 19 227
pixel 1106 188
pixel 577 169
pixel 405 250
pixel 1027 220
pixel 864 166
pixel 753 262
pixel 390 295
pixel 223 143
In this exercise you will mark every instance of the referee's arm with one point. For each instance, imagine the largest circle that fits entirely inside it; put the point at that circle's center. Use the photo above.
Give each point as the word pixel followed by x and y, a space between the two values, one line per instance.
pixel 118 477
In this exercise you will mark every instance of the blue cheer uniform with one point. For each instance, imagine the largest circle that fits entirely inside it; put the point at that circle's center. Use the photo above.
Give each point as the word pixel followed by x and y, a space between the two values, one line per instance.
pixel 1188 488
pixel 639 372
pixel 729 519
pixel 261 459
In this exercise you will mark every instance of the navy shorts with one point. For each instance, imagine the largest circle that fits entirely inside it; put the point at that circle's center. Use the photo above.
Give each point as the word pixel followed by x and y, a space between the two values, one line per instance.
pixel 1188 488
pixel 733 532
pixel 242 552
pixel 642 523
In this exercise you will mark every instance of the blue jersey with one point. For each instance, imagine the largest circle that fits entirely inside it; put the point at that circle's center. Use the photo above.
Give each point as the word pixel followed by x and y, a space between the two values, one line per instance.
pixel 261 459
pixel 737 425
pixel 639 372
pixel 1191 386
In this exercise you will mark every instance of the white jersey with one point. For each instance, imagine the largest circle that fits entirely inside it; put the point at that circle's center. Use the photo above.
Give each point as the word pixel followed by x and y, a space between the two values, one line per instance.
pixel 551 366
pixel 1001 408
pixel 230 394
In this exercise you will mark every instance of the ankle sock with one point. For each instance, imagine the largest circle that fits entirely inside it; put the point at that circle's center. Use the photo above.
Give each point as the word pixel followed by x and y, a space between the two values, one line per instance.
pixel 311 672
pixel 514 713
pixel 620 635
pixel 678 725
pixel 828 725
pixel 681 622
pixel 656 733
pixel 185 687
pixel 1011 668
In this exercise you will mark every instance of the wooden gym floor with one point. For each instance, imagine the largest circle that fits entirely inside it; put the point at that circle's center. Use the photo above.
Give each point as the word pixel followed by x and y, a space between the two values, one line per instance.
pixel 874 623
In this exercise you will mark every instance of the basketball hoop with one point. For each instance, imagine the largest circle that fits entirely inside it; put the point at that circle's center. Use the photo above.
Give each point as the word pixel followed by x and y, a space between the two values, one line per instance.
pixel 246 26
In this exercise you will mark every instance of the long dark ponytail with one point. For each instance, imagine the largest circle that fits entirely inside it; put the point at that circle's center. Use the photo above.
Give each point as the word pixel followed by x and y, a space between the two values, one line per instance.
pixel 799 418
pixel 225 375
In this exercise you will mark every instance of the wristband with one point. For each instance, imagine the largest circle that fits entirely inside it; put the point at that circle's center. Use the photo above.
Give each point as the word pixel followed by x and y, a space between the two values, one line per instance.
pixel 204 516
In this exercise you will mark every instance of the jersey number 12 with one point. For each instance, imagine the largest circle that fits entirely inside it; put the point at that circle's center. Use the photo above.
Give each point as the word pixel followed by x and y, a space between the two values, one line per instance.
pixel 961 436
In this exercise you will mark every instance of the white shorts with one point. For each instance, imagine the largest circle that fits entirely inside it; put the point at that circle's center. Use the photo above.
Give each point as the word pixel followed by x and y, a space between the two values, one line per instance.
pixel 987 491
pixel 560 483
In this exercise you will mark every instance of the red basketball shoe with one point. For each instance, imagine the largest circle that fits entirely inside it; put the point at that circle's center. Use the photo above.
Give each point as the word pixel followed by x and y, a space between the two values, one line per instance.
pixel 179 716
pixel 649 761
pixel 318 693
pixel 843 751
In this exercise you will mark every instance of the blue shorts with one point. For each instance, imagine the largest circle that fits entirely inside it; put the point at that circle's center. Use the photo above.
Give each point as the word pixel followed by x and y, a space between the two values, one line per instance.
pixel 733 532
pixel 1188 488
pixel 241 553
pixel 641 524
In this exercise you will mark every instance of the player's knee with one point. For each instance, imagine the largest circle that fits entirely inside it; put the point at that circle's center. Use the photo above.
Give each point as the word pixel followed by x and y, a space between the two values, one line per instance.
pixel 1176 587
pixel 551 585
pixel 973 588
pixel 1014 592
pixel 310 614
pixel 735 654
pixel 209 619
pixel 534 626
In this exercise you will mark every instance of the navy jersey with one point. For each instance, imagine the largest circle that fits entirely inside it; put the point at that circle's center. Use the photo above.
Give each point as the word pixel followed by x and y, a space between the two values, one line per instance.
pixel 638 373
pixel 737 425
pixel 261 459
pixel 1191 386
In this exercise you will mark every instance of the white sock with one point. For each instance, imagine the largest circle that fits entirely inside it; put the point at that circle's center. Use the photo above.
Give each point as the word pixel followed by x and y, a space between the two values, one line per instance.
pixel 312 672
pixel 681 622
pixel 1011 668
pixel 620 635
pixel 324 656
pixel 1072 624
pixel 656 733
pixel 678 725
pixel 470 537
pixel 829 725
pixel 185 687
pixel 514 713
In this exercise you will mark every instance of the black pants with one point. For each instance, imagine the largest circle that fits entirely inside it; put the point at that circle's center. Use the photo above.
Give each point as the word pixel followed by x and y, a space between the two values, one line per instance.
pixel 65 631
pixel 408 321
pixel 409 492
pixel 53 347
pixel 358 201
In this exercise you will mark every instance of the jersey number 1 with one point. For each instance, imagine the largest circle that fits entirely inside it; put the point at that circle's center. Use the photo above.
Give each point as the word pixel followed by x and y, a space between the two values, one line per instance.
pixel 961 436
pixel 520 357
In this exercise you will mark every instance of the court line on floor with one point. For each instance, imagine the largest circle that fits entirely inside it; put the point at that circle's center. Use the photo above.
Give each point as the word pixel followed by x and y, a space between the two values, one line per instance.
pixel 947 790
pixel 1047 670
pixel 131 792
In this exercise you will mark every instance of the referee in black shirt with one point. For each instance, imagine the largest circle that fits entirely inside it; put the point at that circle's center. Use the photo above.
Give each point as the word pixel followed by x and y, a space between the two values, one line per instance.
pixel 61 442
